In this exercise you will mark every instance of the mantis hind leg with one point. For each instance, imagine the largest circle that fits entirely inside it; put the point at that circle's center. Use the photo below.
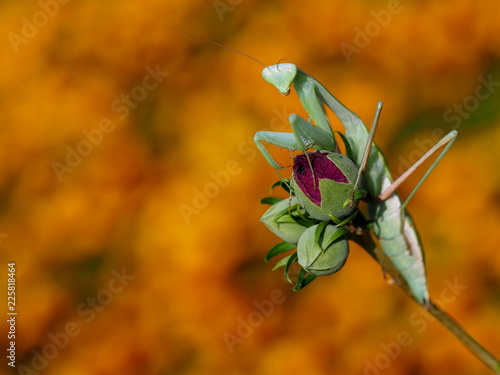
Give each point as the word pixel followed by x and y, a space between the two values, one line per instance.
pixel 447 140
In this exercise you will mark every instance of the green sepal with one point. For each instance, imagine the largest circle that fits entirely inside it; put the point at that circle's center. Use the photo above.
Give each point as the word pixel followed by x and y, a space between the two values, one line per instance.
pixel 281 263
pixel 334 237
pixel 303 280
pixel 339 223
pixel 270 200
pixel 284 183
pixel 293 258
pixel 358 194
pixel 278 249
pixel 277 183
pixel 319 232
pixel 335 220
pixel 302 217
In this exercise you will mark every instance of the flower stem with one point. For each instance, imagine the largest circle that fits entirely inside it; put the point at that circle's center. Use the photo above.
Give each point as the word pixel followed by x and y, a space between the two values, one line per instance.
pixel 477 349
pixel 365 240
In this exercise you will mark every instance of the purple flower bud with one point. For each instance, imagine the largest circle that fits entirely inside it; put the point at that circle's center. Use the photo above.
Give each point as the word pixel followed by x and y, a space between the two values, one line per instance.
pixel 323 168
pixel 324 192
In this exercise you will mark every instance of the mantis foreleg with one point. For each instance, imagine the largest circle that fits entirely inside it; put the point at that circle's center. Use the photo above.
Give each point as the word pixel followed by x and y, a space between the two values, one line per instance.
pixel 305 136
pixel 369 144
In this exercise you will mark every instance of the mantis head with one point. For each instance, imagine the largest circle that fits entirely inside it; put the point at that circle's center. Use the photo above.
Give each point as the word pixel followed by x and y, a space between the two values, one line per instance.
pixel 280 76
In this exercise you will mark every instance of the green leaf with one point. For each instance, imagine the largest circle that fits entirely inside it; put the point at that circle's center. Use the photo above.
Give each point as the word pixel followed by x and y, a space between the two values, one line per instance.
pixel 278 249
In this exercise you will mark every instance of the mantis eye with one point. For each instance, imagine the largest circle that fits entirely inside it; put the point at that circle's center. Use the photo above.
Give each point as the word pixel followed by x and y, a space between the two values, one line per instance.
pixel 301 169
pixel 324 190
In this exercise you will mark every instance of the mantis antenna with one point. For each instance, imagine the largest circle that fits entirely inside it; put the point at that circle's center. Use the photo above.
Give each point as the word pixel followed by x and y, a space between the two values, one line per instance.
pixel 217 44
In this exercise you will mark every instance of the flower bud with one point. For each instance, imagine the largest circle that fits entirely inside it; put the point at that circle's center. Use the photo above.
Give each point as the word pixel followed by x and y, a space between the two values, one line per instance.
pixel 319 255
pixel 281 222
pixel 325 192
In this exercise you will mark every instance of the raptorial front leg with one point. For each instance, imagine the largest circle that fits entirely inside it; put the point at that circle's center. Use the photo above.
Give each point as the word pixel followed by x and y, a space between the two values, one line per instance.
pixel 305 136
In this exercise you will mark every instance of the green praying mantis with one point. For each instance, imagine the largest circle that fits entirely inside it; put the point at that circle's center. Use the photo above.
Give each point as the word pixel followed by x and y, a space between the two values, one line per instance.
pixel 398 240
pixel 397 247
pixel 391 223
pixel 389 220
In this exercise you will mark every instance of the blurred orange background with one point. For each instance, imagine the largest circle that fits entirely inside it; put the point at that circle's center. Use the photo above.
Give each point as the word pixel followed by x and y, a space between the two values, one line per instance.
pixel 130 184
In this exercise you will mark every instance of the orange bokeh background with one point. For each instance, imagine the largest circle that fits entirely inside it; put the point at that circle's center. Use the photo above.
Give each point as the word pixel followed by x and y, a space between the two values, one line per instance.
pixel 126 148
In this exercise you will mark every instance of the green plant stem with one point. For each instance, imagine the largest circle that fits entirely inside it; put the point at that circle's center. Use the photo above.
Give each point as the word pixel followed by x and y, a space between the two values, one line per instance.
pixel 477 349
pixel 365 240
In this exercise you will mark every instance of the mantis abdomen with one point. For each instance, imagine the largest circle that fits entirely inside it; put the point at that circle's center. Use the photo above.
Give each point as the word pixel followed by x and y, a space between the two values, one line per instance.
pixel 399 240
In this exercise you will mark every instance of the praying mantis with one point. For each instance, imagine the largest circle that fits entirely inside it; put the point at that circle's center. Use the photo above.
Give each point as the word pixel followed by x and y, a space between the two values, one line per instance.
pixel 399 249
pixel 391 223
